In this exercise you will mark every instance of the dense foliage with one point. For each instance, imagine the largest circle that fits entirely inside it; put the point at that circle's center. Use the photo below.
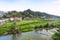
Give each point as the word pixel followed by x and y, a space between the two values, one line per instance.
pixel 29 13
pixel 56 36
pixel 24 25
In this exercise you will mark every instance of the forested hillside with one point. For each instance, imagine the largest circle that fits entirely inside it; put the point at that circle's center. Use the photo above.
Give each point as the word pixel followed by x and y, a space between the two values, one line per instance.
pixel 29 13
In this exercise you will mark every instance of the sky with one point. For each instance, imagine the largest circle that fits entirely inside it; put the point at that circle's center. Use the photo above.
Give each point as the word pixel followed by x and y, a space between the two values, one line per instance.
pixel 48 6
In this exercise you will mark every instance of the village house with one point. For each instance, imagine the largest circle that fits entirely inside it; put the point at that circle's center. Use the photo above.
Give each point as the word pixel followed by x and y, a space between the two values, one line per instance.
pixel 26 18
pixel 43 17
pixel 15 18
pixel 18 18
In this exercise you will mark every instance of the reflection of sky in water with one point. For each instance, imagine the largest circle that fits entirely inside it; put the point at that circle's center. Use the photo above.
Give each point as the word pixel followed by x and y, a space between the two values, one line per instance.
pixel 9 37
pixel 36 35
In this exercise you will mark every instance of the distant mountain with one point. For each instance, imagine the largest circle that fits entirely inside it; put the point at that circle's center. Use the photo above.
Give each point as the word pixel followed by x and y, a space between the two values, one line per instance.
pixel 39 14
pixel 29 13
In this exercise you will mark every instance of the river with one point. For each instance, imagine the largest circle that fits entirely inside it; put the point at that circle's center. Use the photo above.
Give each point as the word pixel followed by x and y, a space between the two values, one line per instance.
pixel 40 35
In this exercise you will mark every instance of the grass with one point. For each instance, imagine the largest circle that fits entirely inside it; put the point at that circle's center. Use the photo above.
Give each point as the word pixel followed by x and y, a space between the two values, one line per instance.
pixel 25 25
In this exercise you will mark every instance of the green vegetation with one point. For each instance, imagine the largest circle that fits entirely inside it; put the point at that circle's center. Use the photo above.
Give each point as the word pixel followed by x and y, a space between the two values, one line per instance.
pixel 30 21
pixel 56 36
pixel 23 26
pixel 29 13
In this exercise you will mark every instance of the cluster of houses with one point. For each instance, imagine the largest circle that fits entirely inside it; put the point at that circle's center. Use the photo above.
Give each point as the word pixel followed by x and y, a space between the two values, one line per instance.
pixel 3 20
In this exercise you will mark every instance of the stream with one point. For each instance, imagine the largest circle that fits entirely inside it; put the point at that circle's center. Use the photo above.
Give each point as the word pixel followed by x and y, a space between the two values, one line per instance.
pixel 39 35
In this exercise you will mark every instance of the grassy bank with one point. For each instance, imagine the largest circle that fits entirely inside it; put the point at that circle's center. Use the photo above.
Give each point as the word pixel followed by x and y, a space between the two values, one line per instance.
pixel 23 26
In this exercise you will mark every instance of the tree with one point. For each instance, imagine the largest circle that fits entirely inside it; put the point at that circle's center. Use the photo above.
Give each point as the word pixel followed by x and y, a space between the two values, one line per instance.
pixel 4 16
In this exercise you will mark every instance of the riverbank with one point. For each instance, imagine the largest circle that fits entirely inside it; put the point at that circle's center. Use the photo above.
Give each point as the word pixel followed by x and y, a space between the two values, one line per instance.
pixel 23 26
pixel 32 35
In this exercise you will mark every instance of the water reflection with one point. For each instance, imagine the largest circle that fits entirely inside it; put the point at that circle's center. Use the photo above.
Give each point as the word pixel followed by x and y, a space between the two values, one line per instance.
pixel 8 37
pixel 40 35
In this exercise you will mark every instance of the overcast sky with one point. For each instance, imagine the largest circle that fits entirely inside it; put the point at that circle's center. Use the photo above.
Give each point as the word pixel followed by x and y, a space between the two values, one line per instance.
pixel 48 6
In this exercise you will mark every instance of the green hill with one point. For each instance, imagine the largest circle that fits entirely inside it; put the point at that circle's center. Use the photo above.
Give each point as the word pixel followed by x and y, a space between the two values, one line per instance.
pixel 29 13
